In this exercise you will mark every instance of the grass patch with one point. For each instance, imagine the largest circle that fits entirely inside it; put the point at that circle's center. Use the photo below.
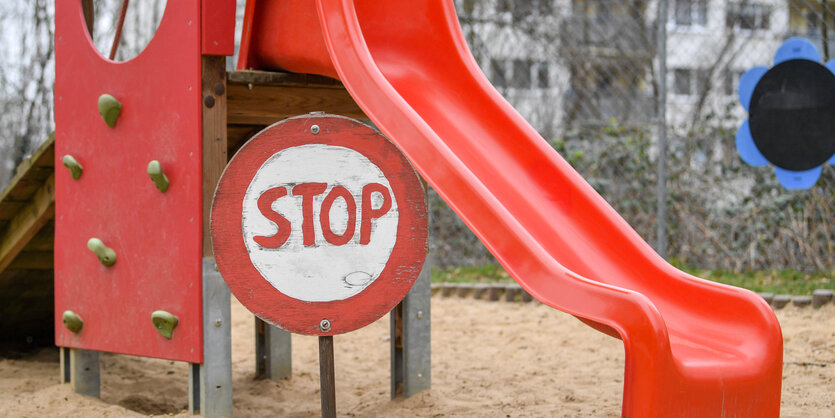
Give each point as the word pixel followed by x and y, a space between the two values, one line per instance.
pixel 787 282
pixel 775 281
pixel 489 273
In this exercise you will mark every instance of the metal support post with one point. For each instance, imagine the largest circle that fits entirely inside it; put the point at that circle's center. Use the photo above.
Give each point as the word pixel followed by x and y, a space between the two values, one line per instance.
pixel 661 114
pixel 273 348
pixel 410 339
pixel 210 383
pixel 66 373
pixel 84 372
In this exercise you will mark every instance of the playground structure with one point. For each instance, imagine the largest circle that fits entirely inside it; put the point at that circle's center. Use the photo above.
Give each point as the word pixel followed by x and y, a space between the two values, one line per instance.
pixel 692 347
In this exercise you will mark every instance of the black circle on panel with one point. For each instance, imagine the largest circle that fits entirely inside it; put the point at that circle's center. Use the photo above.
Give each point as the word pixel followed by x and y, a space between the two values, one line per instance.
pixel 792 115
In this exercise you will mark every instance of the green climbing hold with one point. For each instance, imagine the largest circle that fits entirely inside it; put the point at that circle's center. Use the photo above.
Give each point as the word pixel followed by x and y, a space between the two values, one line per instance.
pixel 109 108
pixel 157 176
pixel 75 168
pixel 164 322
pixel 105 254
pixel 73 322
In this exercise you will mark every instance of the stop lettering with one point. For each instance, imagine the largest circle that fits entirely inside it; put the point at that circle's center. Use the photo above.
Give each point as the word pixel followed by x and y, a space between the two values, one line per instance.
pixel 307 192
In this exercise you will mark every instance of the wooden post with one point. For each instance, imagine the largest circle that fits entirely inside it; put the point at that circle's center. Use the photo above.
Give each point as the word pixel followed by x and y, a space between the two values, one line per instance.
pixel 84 372
pixel 327 380
pixel 89 11
pixel 210 383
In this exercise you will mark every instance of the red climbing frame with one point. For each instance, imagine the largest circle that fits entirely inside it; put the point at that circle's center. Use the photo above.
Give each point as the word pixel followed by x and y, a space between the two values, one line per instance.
pixel 157 237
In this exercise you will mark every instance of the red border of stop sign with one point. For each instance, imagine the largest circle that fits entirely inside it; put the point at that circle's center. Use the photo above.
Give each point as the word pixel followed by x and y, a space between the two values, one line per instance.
pixel 267 302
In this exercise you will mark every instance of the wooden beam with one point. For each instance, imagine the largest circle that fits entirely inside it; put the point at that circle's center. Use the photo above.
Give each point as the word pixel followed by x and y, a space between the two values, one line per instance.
pixel 8 209
pixel 43 157
pixel 266 104
pixel 89 11
pixel 277 78
pixel 236 137
pixel 44 240
pixel 214 136
pixel 26 224
pixel 33 260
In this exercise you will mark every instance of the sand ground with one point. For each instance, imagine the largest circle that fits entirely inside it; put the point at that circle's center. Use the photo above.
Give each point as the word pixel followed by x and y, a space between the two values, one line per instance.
pixel 489 359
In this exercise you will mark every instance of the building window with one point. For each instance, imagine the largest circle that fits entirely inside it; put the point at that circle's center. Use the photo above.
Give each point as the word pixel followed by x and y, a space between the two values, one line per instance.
pixel 498 70
pixel 682 81
pixel 521 9
pixel 732 81
pixel 522 74
pixel 748 16
pixel 543 76
pixel 690 12
pixel 689 81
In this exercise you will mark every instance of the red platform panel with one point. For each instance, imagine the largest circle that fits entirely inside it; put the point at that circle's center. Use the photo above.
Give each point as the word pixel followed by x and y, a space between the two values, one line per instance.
pixel 218 32
pixel 157 236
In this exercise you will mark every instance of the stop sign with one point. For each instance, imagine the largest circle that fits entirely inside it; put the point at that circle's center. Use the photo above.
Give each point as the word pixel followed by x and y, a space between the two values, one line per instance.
pixel 319 225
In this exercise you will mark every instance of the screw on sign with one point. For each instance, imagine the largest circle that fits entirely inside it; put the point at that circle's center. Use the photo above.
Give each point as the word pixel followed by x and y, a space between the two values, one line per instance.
pixel 319 226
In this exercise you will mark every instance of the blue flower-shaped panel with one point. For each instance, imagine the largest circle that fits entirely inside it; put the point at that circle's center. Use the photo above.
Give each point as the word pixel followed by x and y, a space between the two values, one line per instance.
pixel 791 115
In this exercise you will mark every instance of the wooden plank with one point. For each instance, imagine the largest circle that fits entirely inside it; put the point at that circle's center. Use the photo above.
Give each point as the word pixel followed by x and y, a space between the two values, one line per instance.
pixel 24 189
pixel 267 104
pixel 8 209
pixel 42 157
pixel 214 136
pixel 26 224
pixel 237 135
pixel 326 376
pixel 278 78
pixel 33 260
pixel 89 11
pixel 44 240
pixel 210 383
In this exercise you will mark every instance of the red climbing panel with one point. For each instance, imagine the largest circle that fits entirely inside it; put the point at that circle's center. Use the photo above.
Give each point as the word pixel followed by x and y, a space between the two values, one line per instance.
pixel 157 237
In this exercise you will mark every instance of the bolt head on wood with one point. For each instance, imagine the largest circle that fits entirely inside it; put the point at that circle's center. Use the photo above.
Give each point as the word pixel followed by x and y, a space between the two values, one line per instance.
pixel 105 254
pixel 164 322
pixel 73 322
pixel 209 101
pixel 110 109
pixel 75 168
pixel 219 89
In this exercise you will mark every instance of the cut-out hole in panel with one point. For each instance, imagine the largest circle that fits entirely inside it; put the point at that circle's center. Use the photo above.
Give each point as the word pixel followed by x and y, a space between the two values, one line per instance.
pixel 141 22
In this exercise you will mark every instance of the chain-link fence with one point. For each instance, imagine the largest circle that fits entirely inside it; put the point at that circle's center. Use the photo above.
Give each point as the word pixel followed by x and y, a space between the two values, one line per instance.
pixel 627 97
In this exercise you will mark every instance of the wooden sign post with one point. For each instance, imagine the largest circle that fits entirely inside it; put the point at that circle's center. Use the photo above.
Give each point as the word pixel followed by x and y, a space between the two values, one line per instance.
pixel 319 227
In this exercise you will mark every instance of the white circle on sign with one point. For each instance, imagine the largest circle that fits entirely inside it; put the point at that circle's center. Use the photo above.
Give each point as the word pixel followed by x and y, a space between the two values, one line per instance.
pixel 321 272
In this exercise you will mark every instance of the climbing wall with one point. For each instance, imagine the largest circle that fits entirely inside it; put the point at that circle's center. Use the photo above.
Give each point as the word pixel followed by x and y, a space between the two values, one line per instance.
pixel 128 246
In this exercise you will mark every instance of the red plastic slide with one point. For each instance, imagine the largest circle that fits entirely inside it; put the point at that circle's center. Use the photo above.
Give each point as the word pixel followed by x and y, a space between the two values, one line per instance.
pixel 693 347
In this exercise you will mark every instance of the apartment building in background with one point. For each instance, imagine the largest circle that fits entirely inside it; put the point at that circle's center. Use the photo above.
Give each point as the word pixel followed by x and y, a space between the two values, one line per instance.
pixel 570 63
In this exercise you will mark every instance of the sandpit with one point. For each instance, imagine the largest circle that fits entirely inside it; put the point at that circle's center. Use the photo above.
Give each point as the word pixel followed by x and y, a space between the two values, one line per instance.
pixel 488 359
